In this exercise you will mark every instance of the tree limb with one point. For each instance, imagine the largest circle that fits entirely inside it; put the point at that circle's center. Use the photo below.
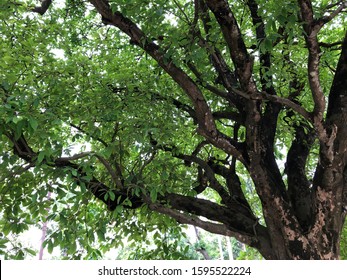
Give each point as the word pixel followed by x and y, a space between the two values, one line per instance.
pixel 326 19
pixel 137 37
pixel 43 8
pixel 311 28
pixel 299 187
pixel 242 60
pixel 113 172
pixel 290 104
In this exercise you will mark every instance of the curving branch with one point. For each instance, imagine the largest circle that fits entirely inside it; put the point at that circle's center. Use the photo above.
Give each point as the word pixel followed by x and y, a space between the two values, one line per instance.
pixel 225 75
pixel 45 4
pixel 265 57
pixel 290 104
pixel 242 60
pixel 333 14
pixel 113 172
pixel 229 220
pixel 256 237
pixel 311 28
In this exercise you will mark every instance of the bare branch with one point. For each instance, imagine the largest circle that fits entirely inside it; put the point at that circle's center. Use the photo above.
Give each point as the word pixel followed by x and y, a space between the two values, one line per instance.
pixel 242 60
pixel 330 45
pixel 115 177
pixel 236 117
pixel 312 28
pixel 45 4
pixel 76 156
pixel 195 221
pixel 326 19
pixel 290 104
pixel 79 128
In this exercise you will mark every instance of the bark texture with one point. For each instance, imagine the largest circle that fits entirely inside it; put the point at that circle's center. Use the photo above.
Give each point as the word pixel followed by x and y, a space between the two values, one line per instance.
pixel 303 219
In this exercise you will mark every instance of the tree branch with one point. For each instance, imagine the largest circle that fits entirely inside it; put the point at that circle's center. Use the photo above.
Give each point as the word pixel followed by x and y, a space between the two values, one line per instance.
pixel 242 60
pixel 216 228
pixel 326 19
pixel 206 123
pixel 98 189
pixel 243 228
pixel 79 128
pixel 225 75
pixel 299 187
pixel 76 156
pixel 265 58
pixel 45 4
pixel 290 104
pixel 204 116
pixel 311 28
pixel 113 172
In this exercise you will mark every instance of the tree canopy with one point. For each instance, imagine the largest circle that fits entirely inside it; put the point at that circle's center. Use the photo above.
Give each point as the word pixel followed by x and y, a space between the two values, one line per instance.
pixel 137 116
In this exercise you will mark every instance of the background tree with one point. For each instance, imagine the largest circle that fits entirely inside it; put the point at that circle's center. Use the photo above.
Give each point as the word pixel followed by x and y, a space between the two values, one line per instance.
pixel 226 115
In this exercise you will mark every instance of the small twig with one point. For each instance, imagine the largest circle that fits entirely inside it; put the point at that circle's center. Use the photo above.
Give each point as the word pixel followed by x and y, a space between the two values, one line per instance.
pixel 182 11
pixel 79 128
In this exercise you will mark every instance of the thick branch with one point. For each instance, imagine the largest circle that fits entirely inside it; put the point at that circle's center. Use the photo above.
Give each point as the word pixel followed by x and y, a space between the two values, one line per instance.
pixel 232 217
pixel 265 58
pixel 311 28
pixel 43 8
pixel 290 104
pixel 25 152
pixel 242 60
pixel 338 92
pixel 137 37
pixel 209 226
pixel 299 187
pixel 242 227
pixel 333 14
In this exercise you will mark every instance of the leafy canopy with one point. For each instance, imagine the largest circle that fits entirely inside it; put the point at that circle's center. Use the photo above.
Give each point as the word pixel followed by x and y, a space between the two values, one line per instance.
pixel 101 120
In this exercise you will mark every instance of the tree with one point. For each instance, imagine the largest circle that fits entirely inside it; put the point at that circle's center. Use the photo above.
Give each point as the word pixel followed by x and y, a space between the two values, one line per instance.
pixel 226 115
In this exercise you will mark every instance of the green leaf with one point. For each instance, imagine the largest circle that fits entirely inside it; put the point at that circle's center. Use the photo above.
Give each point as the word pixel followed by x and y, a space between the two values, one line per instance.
pixel 33 123
pixel 30 251
pixel 153 195
pixel 112 195
pixel 40 156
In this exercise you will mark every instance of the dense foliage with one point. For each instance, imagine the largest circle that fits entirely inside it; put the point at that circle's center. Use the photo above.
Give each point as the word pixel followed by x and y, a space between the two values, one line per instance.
pixel 137 116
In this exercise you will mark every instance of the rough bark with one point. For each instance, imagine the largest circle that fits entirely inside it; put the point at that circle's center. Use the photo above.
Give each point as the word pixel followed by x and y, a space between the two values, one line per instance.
pixel 303 219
